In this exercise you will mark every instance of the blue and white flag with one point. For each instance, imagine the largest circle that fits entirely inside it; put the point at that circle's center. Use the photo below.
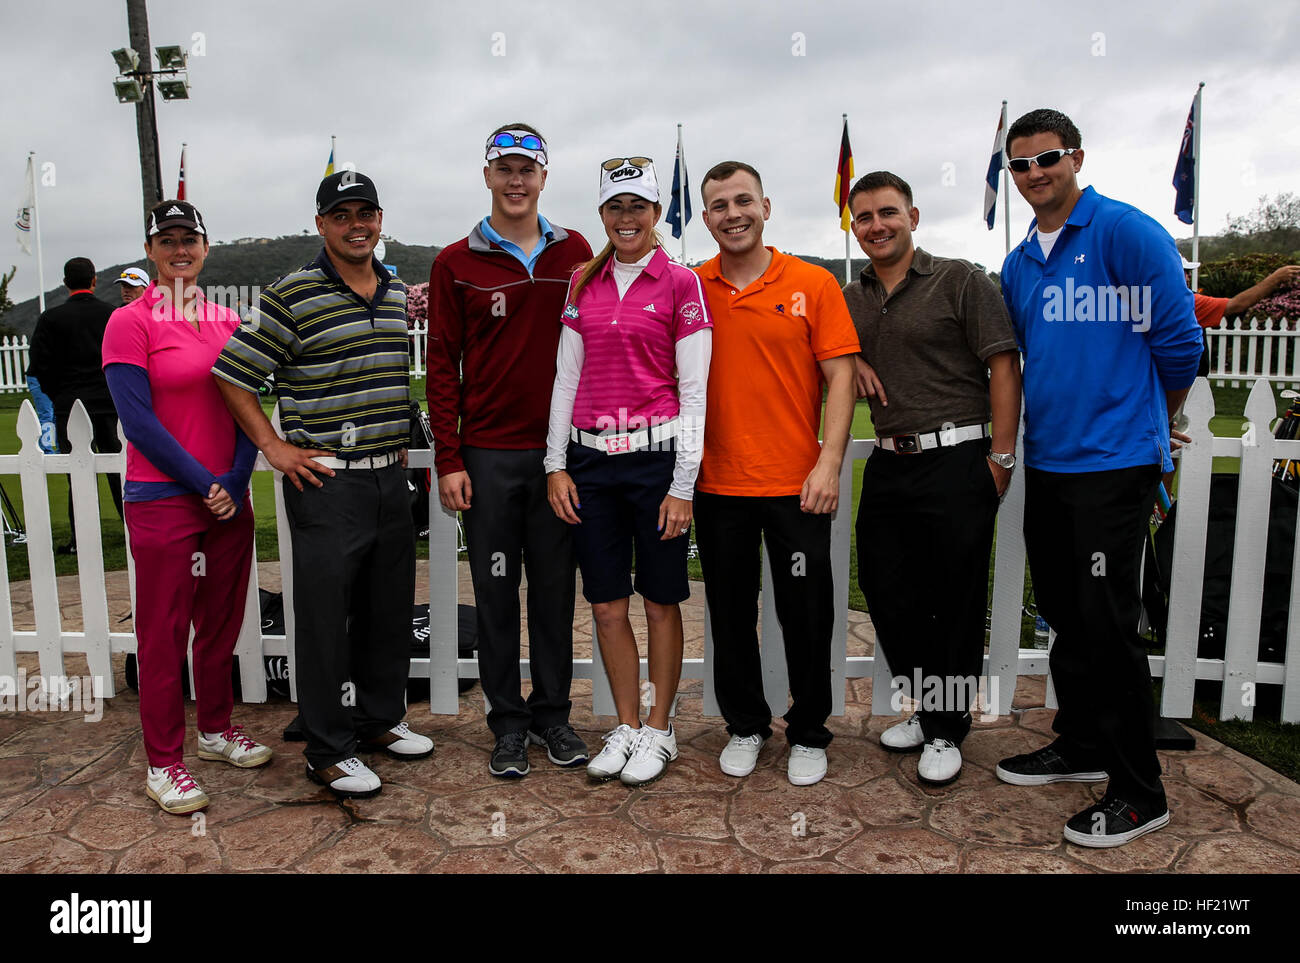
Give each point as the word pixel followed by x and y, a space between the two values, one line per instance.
pixel 996 163
pixel 681 187
pixel 1185 170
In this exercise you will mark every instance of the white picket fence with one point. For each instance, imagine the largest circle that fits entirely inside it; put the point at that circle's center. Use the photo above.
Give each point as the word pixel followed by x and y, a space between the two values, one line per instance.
pixel 1005 661
pixel 13 364
pixel 1245 349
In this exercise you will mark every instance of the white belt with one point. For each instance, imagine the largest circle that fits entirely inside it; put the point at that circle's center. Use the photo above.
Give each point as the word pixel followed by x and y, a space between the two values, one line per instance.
pixel 911 443
pixel 371 461
pixel 612 444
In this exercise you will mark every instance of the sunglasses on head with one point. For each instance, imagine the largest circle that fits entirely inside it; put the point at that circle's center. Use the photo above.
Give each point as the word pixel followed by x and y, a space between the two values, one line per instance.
pixel 1047 158
pixel 527 141
pixel 614 163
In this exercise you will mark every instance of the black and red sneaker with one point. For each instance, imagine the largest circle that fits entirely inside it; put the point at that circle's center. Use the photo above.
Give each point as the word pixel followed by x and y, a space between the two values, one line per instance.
pixel 1111 822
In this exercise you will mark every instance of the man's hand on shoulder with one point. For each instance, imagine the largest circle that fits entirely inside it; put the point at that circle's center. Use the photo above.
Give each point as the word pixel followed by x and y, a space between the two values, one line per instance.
pixel 455 491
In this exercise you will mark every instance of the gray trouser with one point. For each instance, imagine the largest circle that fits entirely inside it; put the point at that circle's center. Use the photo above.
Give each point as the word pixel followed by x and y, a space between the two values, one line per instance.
pixel 353 588
pixel 511 526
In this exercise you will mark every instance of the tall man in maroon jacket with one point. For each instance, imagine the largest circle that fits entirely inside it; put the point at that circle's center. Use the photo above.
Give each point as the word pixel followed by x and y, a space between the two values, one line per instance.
pixel 495 300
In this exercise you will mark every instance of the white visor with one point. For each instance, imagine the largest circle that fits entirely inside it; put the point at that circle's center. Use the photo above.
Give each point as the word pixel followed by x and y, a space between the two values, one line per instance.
pixel 629 179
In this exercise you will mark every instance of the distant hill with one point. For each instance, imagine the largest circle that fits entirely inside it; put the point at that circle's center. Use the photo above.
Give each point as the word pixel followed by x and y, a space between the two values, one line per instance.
pixel 259 261
pixel 246 262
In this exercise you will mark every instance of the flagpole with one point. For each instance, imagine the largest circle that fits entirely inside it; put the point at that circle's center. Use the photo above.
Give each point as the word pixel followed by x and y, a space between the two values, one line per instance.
pixel 848 264
pixel 1006 185
pixel 185 177
pixel 681 190
pixel 36 229
pixel 1196 187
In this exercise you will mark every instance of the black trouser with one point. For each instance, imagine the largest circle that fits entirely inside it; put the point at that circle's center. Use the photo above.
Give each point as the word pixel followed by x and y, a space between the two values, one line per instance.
pixel 353 589
pixel 1085 534
pixel 512 522
pixel 104 439
pixel 728 529
pixel 925 530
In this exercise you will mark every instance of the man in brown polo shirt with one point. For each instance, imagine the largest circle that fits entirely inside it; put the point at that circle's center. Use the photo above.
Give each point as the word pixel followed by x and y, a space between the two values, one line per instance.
pixel 939 358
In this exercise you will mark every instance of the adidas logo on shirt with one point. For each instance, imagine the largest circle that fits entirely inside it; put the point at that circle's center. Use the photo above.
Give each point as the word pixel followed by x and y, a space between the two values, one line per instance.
pixel 649 307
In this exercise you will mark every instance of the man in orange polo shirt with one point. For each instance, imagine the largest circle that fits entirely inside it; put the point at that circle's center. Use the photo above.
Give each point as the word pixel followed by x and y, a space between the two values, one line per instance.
pixel 781 330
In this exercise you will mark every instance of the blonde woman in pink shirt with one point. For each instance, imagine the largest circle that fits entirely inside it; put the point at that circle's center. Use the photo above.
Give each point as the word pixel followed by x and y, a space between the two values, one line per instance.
pixel 187 510
pixel 623 448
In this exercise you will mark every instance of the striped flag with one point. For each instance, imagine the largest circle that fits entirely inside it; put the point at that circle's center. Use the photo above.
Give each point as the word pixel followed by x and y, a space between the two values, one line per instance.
pixel 996 162
pixel 329 168
pixel 844 178
pixel 180 187
pixel 23 222
pixel 1185 170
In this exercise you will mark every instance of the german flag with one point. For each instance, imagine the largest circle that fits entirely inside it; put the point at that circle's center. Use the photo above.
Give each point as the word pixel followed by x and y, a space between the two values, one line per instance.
pixel 844 178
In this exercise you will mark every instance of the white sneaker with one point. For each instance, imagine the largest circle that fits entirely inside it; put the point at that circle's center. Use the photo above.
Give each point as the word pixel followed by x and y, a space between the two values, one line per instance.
pixel 650 756
pixel 234 747
pixel 940 762
pixel 174 789
pixel 351 779
pixel 400 742
pixel 905 736
pixel 741 755
pixel 619 742
pixel 806 766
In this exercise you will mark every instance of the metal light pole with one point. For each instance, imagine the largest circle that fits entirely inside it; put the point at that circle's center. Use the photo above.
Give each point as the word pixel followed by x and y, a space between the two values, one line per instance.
pixel 146 120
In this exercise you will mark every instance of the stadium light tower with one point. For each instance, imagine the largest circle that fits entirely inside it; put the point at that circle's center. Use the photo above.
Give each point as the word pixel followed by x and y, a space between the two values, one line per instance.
pixel 135 85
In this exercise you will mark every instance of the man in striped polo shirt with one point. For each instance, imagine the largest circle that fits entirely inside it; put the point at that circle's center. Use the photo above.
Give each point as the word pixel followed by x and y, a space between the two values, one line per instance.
pixel 335 336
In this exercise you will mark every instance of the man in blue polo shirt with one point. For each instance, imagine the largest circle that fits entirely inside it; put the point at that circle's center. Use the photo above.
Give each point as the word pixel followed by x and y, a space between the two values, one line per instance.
pixel 1110 342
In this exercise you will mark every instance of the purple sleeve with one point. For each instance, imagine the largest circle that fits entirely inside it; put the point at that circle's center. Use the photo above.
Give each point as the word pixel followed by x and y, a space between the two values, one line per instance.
pixel 235 481
pixel 129 386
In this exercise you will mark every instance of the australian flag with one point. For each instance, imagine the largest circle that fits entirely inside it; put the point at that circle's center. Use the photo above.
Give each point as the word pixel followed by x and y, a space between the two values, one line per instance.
pixel 1185 170
pixel 995 168
pixel 680 185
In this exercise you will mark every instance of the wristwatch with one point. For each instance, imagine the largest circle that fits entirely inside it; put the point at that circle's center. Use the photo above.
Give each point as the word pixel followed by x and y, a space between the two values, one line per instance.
pixel 1006 461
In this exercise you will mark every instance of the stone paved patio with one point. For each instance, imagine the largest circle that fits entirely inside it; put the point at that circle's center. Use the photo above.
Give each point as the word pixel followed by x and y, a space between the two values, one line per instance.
pixel 72 800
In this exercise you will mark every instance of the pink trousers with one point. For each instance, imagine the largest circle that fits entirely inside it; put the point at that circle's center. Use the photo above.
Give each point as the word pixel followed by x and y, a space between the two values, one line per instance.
pixel 189 567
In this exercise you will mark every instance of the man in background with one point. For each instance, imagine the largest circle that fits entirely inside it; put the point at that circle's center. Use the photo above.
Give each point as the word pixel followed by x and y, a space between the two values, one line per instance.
pixel 131 283
pixel 66 359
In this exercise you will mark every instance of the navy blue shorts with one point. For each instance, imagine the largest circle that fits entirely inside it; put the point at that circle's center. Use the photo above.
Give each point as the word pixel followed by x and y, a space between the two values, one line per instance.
pixel 620 497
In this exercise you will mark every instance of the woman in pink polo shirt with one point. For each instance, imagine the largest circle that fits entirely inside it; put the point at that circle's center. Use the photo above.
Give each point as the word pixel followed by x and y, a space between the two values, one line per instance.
pixel 623 449
pixel 187 510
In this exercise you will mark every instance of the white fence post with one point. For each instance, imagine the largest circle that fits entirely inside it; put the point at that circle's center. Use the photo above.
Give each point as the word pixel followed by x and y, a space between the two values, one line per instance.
pixel 444 642
pixel 1245 599
pixel 40 541
pixel 1008 599
pixel 1187 564
pixel 90 548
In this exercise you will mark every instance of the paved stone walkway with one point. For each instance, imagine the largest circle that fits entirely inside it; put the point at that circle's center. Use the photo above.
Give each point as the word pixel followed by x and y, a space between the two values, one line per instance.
pixel 72 800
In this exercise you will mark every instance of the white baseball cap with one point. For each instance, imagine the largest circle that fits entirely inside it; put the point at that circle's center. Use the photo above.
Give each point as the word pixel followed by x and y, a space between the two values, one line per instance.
pixel 628 175
pixel 133 277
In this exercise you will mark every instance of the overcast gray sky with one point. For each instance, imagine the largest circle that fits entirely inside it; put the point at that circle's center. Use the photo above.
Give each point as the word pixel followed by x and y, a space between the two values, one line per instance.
pixel 412 89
